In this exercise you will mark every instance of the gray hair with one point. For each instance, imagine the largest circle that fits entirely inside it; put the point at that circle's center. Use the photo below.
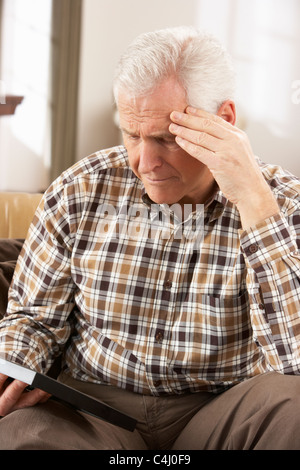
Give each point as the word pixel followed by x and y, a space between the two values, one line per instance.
pixel 200 63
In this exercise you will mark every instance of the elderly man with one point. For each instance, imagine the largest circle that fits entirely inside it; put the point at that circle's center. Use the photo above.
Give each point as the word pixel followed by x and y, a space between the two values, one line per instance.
pixel 164 272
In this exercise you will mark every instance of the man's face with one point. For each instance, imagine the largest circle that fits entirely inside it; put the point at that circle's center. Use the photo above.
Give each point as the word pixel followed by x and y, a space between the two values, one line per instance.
pixel 169 174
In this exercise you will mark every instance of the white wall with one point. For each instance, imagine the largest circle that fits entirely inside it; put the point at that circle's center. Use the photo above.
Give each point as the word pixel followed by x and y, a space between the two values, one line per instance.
pixel 263 37
pixel 25 64
pixel 21 169
pixel 108 26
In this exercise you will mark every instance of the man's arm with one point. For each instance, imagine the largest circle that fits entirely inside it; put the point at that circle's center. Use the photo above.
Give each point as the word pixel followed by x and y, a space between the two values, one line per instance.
pixel 37 325
pixel 273 282
pixel 268 235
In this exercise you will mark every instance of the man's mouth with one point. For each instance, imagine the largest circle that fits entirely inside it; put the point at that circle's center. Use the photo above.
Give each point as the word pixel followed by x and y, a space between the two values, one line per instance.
pixel 157 180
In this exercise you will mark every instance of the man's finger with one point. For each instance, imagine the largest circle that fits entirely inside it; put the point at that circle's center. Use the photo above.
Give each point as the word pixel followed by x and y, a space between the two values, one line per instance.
pixel 199 138
pixel 3 379
pixel 203 155
pixel 203 124
pixel 31 398
pixel 10 396
pixel 209 116
pixel 15 397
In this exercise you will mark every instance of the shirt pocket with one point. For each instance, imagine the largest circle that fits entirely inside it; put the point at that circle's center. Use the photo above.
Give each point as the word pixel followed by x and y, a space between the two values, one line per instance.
pixel 218 327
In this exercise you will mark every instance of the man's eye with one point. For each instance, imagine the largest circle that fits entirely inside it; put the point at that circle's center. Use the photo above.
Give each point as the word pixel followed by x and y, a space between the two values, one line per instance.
pixel 172 143
pixel 168 142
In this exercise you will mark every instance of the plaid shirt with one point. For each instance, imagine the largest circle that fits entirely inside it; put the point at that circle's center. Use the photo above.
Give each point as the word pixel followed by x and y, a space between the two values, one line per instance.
pixel 171 312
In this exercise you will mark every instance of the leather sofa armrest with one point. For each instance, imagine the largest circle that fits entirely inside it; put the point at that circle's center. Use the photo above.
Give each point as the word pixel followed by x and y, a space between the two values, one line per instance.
pixel 16 213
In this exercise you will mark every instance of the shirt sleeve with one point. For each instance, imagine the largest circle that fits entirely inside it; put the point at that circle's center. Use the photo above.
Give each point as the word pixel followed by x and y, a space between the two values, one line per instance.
pixel 41 297
pixel 273 280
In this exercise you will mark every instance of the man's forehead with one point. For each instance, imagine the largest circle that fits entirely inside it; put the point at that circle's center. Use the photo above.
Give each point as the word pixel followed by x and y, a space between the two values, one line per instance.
pixel 130 120
pixel 150 120
pixel 144 107
pixel 164 99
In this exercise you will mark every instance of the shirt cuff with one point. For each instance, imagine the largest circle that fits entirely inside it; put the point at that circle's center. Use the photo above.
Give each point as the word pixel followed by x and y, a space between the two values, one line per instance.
pixel 268 241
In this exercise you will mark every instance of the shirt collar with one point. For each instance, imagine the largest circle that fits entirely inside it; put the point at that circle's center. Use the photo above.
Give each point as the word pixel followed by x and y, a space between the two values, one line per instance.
pixel 216 206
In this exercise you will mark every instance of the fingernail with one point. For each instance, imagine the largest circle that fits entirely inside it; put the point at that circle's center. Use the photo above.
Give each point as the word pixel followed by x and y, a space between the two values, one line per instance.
pixel 176 115
pixel 173 127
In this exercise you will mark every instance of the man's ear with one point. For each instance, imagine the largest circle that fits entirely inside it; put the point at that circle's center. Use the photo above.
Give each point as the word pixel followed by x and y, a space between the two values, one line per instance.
pixel 227 112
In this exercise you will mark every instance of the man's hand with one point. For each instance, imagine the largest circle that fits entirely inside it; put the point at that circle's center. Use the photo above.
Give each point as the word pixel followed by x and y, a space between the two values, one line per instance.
pixel 226 151
pixel 13 395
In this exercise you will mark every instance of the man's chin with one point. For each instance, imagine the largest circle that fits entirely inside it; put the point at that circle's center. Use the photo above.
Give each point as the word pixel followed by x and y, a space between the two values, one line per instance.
pixel 162 198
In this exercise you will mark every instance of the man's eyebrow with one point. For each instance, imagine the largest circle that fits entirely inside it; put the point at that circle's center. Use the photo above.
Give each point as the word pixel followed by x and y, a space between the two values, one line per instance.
pixel 155 135
pixel 127 131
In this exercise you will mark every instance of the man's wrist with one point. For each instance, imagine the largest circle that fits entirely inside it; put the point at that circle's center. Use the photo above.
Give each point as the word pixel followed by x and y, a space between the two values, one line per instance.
pixel 257 208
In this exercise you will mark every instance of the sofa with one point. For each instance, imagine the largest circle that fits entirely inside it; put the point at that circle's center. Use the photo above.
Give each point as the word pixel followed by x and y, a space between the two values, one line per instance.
pixel 17 210
pixel 16 213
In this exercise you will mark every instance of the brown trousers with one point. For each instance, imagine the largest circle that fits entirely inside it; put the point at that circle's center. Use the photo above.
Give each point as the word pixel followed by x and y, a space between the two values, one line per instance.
pixel 260 413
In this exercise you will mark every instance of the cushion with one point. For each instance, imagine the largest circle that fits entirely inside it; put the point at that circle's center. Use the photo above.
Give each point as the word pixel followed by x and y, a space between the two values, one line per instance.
pixel 10 248
pixel 9 252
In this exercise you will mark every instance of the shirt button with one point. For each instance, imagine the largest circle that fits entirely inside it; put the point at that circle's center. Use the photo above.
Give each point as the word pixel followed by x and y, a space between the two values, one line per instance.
pixel 157 383
pixel 261 306
pixel 253 248
pixel 168 284
pixel 159 336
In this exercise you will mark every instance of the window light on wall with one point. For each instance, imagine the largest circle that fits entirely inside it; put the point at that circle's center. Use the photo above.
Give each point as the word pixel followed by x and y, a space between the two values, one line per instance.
pixel 25 66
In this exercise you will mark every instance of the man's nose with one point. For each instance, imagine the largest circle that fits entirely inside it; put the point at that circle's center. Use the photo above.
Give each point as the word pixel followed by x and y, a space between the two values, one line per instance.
pixel 150 157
